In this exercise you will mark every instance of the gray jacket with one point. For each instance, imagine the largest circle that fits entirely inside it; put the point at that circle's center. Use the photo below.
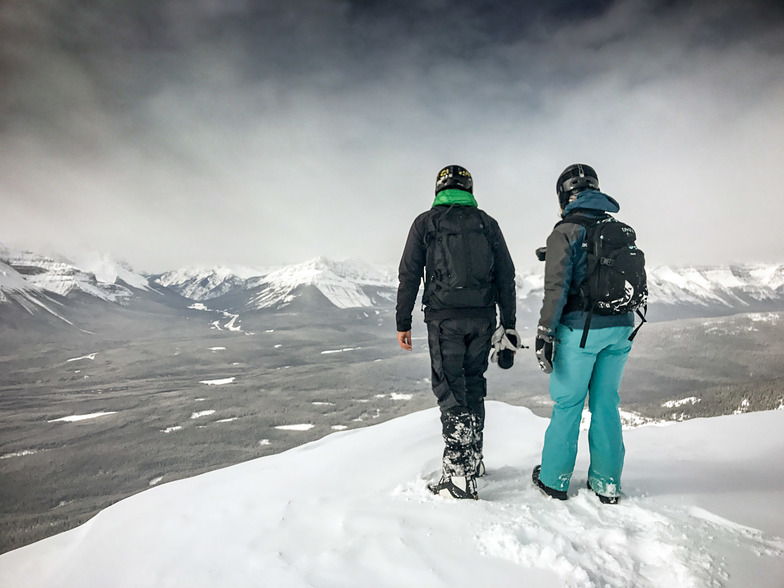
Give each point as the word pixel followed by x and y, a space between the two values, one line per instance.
pixel 565 267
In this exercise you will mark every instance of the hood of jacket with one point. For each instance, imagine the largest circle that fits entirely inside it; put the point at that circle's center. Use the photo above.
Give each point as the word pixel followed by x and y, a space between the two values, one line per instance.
pixel 454 196
pixel 592 200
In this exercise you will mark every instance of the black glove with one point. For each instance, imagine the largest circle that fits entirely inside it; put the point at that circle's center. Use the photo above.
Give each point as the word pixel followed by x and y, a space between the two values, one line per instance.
pixel 544 352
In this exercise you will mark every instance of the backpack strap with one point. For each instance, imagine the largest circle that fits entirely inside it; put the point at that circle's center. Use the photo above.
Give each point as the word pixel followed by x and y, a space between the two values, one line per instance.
pixel 643 320
pixel 433 225
pixel 587 326
pixel 587 221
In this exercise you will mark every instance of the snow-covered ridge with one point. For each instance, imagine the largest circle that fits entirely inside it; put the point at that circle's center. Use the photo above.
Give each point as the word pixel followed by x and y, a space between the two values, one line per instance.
pixel 344 283
pixel 12 281
pixel 14 287
pixel 200 283
pixel 351 283
pixel 97 276
pixel 108 271
pixel 725 285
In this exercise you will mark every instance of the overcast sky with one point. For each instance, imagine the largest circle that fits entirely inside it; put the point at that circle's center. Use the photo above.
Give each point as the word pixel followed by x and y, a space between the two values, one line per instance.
pixel 200 132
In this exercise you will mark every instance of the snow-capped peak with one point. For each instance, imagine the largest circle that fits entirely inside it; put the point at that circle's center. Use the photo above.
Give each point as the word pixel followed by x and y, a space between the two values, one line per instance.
pixel 201 283
pixel 107 271
pixel 60 276
pixel 320 270
pixel 345 283
pixel 726 285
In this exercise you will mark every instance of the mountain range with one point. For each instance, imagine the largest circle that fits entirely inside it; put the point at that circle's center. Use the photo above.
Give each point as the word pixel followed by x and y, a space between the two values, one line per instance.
pixel 180 373
pixel 33 284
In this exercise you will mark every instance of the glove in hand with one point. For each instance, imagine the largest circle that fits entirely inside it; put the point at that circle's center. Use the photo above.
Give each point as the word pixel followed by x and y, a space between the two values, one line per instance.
pixel 505 343
pixel 544 352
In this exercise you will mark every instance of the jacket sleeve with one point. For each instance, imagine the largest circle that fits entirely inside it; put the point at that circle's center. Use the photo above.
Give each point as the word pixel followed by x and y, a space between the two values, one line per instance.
pixel 504 278
pixel 410 273
pixel 558 271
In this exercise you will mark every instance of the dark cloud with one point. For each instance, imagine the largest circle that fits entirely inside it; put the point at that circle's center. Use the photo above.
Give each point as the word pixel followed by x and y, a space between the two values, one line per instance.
pixel 284 130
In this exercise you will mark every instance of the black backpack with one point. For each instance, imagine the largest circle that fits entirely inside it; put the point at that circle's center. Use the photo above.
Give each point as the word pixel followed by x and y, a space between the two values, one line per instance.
pixel 459 261
pixel 615 280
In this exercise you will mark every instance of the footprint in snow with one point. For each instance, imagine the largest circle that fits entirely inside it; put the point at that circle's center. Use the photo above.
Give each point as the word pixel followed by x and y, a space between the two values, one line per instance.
pixel 635 543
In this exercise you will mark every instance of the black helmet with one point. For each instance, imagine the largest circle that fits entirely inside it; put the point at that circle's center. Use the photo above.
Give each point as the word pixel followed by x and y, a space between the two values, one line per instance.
pixel 574 179
pixel 454 176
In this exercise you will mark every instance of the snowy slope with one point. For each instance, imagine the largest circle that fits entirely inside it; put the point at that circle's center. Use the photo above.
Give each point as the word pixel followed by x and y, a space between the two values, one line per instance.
pixel 109 271
pixel 727 285
pixel 30 297
pixel 689 291
pixel 702 508
pixel 200 283
pixel 12 281
pixel 99 277
pixel 704 290
pixel 731 286
pixel 346 284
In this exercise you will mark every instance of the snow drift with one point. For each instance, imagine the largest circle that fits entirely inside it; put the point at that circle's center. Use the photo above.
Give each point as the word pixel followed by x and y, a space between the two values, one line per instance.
pixel 702 508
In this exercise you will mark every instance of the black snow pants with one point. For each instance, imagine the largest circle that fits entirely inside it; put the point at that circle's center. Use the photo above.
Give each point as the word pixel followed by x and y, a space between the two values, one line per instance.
pixel 459 350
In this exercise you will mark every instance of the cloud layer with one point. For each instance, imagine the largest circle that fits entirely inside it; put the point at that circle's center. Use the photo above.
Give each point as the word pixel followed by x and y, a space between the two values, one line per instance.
pixel 198 132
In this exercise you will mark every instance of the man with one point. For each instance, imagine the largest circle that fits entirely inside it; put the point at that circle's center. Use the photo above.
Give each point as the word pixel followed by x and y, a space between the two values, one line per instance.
pixel 584 360
pixel 468 271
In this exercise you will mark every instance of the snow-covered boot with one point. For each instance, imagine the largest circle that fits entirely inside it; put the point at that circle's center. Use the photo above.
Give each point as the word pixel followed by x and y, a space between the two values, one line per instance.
pixel 458 433
pixel 460 487
pixel 551 492
pixel 604 499
pixel 477 441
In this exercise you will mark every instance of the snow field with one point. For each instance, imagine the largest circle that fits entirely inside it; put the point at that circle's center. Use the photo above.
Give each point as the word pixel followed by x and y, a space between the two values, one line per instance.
pixel 330 351
pixel 637 544
pixel 218 382
pixel 90 356
pixel 80 417
pixel 347 511
pixel 299 427
pixel 21 453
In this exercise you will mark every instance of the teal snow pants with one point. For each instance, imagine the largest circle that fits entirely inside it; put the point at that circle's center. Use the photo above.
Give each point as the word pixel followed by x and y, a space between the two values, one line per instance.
pixel 594 371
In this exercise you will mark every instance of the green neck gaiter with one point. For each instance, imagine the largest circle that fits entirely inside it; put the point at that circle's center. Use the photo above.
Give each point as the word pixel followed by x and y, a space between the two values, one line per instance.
pixel 455 196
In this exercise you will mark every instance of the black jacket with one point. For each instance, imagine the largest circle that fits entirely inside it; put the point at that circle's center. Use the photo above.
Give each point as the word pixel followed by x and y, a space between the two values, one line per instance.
pixel 411 272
